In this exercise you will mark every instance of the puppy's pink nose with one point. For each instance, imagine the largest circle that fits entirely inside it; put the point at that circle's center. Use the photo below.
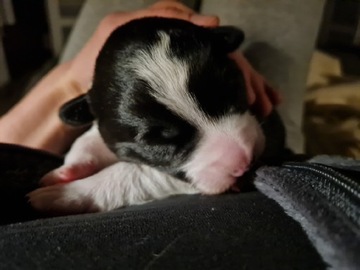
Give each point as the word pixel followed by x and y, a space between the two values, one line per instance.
pixel 231 157
pixel 237 166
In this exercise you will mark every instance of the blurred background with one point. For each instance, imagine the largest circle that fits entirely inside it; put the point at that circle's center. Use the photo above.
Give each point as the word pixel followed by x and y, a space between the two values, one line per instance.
pixel 33 33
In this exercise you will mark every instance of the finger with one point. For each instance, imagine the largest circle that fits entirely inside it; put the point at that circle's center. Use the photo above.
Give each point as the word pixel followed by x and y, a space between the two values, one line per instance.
pixel 108 24
pixel 273 95
pixel 171 5
pixel 262 102
pixel 261 109
pixel 246 70
pixel 174 9
pixel 202 20
pixel 250 93
pixel 205 20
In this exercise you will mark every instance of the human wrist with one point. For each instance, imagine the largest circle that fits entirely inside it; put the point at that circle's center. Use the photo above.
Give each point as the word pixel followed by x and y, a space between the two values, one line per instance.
pixel 54 135
pixel 72 85
pixel 35 122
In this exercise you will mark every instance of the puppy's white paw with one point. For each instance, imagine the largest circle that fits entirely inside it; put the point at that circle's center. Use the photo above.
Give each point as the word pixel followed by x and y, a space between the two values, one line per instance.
pixel 69 172
pixel 72 198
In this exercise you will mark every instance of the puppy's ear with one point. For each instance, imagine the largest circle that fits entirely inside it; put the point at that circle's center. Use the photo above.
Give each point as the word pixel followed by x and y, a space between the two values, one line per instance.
pixel 228 38
pixel 76 112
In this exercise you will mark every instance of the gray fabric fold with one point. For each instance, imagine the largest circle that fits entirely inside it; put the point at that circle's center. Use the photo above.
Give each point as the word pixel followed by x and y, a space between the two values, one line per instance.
pixel 319 207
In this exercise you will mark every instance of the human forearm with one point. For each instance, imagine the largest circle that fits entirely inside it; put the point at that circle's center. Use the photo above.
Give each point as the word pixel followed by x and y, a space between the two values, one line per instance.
pixel 34 121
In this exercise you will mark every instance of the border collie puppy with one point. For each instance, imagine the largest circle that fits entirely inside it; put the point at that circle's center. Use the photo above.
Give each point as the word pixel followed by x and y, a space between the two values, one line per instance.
pixel 170 116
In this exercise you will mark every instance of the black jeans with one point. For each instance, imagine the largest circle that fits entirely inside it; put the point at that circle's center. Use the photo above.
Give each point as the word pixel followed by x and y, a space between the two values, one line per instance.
pixel 230 231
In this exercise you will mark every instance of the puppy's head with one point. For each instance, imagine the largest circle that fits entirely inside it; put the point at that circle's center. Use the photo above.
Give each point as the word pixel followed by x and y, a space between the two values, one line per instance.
pixel 166 94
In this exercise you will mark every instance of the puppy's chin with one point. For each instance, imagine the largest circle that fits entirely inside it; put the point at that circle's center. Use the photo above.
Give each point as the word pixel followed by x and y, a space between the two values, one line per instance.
pixel 213 186
pixel 213 180
pixel 215 174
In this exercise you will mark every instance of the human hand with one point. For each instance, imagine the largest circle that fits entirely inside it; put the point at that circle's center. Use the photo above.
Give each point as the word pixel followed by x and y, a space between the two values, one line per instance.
pixel 83 64
pixel 262 98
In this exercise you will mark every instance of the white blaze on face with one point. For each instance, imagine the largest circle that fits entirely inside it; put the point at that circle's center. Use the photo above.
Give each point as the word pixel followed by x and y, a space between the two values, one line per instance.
pixel 227 145
pixel 168 76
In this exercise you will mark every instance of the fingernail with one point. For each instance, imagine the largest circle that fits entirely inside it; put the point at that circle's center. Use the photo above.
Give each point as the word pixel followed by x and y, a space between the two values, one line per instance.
pixel 210 21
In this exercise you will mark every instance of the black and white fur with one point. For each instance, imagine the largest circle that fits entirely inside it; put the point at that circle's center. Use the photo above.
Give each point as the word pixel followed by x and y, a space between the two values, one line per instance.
pixel 171 117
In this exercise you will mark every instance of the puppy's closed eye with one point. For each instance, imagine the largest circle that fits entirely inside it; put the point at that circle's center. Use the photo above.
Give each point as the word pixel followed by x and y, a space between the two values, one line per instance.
pixel 162 134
